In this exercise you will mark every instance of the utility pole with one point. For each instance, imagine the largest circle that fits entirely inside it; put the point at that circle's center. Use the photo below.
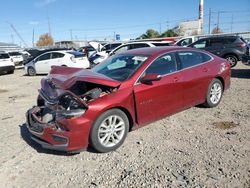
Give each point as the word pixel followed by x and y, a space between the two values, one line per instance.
pixel 209 22
pixel 71 34
pixel 218 20
pixel 160 28
pixel 12 38
pixel 33 37
pixel 232 20
pixel 49 26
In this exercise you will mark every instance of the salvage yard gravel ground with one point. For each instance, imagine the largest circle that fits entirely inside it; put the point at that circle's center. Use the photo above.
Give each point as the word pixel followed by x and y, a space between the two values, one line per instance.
pixel 198 147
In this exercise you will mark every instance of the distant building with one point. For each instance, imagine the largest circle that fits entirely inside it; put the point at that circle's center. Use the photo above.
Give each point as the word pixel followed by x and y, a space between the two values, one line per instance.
pixel 9 47
pixel 188 28
pixel 71 44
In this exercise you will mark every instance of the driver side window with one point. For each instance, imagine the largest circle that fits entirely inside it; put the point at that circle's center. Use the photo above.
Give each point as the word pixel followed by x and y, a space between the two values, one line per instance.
pixel 121 49
pixel 163 65
pixel 201 44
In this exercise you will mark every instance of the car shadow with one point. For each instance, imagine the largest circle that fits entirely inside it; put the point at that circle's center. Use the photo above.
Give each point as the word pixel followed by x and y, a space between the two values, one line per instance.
pixel 240 73
pixel 26 137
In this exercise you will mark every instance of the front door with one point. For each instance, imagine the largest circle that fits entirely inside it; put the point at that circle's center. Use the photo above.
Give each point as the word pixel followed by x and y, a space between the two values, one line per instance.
pixel 158 99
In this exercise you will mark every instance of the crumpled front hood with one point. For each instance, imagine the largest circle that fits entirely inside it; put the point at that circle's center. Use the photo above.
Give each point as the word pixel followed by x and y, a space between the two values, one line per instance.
pixel 65 77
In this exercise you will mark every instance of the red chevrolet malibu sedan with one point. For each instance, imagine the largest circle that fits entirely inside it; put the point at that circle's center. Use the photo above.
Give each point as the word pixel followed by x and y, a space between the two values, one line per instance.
pixel 77 108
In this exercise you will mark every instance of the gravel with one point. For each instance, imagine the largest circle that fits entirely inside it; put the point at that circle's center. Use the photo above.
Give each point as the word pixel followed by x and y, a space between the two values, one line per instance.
pixel 198 147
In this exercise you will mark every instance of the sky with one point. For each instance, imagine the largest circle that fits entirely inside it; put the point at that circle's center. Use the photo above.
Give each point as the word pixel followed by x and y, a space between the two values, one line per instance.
pixel 99 19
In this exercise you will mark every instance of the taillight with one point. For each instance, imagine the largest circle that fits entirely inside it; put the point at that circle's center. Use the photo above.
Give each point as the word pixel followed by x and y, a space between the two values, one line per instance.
pixel 242 45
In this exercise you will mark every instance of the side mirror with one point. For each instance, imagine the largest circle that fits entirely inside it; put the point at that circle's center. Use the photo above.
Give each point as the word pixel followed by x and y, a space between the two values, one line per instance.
pixel 148 78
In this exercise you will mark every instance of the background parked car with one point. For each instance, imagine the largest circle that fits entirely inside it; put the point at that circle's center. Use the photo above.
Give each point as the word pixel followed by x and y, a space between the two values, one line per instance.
pixel 6 63
pixel 185 41
pixel 231 48
pixel 17 58
pixel 101 56
pixel 42 64
pixel 36 52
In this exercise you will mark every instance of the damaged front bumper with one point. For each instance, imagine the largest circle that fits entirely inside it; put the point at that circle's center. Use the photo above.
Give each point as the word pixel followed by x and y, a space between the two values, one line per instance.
pixel 60 134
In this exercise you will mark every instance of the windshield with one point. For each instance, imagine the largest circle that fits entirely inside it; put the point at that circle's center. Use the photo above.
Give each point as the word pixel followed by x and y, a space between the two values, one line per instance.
pixel 14 53
pixel 120 67
pixel 4 56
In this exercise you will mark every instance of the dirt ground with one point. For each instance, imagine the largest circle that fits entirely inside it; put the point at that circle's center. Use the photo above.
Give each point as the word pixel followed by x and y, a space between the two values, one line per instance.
pixel 196 148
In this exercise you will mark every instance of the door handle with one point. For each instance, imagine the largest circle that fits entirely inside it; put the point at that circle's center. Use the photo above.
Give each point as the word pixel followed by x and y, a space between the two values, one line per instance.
pixel 205 70
pixel 175 79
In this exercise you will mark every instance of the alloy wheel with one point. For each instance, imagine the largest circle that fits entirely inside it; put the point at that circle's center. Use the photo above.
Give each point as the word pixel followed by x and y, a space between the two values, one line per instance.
pixel 111 131
pixel 215 93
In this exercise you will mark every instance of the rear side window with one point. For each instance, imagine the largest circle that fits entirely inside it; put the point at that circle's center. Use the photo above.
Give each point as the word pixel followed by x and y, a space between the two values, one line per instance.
pixel 44 57
pixel 217 41
pixel 161 44
pixel 4 56
pixel 76 54
pixel 192 58
pixel 141 45
pixel 56 55
pixel 163 65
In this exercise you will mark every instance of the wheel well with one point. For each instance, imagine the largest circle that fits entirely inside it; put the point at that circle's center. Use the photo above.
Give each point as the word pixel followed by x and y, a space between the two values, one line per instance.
pixel 222 81
pixel 130 119
pixel 238 58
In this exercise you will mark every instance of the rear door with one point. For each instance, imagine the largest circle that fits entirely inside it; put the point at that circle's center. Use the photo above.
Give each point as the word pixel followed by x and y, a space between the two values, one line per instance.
pixel 159 98
pixel 56 59
pixel 42 63
pixel 196 76
pixel 216 45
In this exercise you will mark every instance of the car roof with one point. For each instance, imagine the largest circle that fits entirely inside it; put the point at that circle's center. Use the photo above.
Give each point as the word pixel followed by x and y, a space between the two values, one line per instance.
pixel 220 36
pixel 147 42
pixel 149 51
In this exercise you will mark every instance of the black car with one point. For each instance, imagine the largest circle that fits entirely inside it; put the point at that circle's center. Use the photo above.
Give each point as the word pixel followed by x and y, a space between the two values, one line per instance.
pixel 231 48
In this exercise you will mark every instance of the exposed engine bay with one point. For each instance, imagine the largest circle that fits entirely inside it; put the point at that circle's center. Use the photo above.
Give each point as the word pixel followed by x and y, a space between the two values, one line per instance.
pixel 69 103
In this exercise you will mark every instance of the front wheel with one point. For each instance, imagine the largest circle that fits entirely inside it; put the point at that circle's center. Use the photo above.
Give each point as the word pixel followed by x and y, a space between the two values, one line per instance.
pixel 214 93
pixel 232 60
pixel 109 131
pixel 31 71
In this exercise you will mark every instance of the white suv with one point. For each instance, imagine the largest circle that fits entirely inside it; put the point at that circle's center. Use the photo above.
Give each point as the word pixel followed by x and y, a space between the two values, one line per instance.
pixel 42 64
pixel 6 63
pixel 101 56
pixel 17 58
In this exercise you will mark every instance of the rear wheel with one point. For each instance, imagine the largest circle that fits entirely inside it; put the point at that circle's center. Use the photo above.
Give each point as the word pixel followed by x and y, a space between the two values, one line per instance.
pixel 109 131
pixel 214 93
pixel 31 71
pixel 232 60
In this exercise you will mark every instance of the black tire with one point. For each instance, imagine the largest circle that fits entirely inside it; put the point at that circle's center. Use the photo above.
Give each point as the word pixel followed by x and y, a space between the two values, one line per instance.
pixel 31 71
pixel 98 124
pixel 210 103
pixel 233 60
pixel 11 72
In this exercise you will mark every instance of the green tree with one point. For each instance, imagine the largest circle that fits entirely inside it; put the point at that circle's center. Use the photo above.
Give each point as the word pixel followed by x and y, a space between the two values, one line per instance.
pixel 150 33
pixel 169 33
